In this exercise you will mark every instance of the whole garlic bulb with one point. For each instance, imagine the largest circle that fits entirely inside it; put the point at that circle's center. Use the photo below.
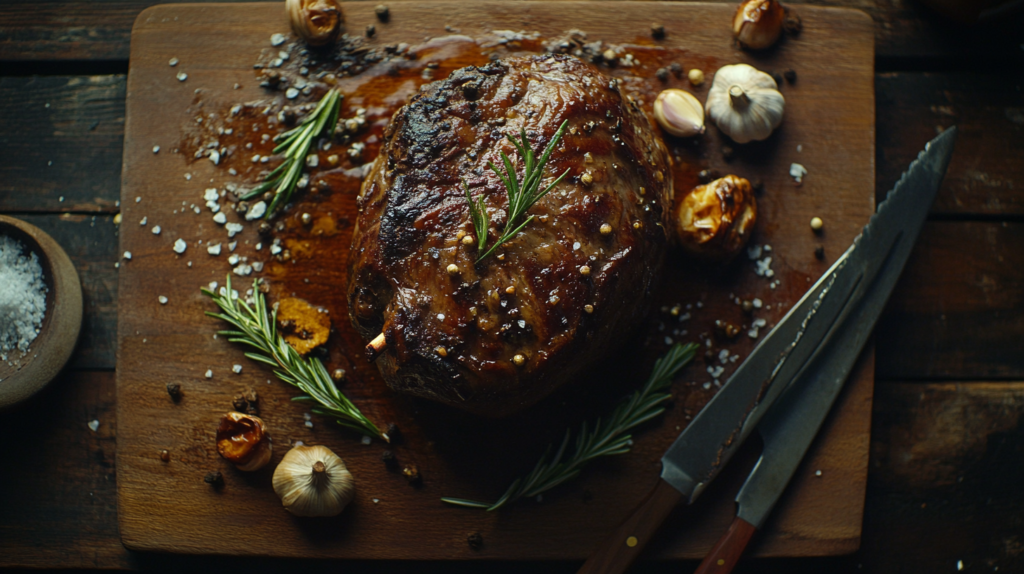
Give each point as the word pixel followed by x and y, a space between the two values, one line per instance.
pixel 745 103
pixel 679 113
pixel 313 481
pixel 758 23
pixel 315 21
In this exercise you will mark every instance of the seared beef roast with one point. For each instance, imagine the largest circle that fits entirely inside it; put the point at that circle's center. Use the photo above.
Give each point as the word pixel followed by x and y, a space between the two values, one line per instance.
pixel 495 336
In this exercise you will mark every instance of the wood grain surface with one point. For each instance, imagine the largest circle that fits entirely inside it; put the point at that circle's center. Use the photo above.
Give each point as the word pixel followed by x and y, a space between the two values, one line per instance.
pixel 166 506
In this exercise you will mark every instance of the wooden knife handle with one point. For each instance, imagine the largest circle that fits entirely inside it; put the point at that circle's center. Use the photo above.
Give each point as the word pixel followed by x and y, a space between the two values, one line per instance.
pixel 727 551
pixel 618 551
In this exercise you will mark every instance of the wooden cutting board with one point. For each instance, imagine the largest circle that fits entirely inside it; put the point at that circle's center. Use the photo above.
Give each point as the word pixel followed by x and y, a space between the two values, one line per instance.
pixel 166 506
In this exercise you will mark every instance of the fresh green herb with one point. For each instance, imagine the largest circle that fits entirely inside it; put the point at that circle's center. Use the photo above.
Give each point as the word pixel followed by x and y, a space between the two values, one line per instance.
pixel 521 196
pixel 258 328
pixel 603 439
pixel 295 144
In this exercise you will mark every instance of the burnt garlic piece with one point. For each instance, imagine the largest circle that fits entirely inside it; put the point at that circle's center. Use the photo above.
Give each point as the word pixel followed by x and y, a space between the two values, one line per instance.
pixel 318 22
pixel 527 318
pixel 714 220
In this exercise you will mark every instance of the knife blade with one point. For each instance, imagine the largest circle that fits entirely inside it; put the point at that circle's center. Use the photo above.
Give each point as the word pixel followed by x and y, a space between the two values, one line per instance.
pixel 789 427
pixel 710 440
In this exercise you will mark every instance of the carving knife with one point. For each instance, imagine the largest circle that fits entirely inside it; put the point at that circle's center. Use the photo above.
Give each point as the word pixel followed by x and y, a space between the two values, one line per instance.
pixel 783 356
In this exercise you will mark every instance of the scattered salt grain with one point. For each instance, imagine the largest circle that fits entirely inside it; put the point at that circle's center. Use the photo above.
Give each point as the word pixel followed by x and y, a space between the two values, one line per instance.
pixel 94 425
pixel 242 270
pixel 817 473
pixel 757 303
pixel 209 373
pixel 797 172
pixel 232 245
pixel 277 39
pixel 309 424
pixel 233 228
pixel 959 565
pixel 233 260
pixel 257 210
pixel 236 369
pixel 211 194
pixel 213 250
pixel 755 326
pixel 180 246
pixel 128 255
pixel 366 439
pixel 291 93
pixel 143 221
pixel 173 62
pixel 138 199
pixel 182 76
pixel 162 300
pixel 220 218
pixel 156 149
pixel 156 230
pixel 22 296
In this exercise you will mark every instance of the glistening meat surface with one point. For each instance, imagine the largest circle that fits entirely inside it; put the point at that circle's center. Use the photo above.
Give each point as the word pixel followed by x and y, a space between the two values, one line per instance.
pixel 455 337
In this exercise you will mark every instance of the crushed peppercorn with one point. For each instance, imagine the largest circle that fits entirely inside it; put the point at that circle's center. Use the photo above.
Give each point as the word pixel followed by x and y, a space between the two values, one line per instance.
pixel 174 390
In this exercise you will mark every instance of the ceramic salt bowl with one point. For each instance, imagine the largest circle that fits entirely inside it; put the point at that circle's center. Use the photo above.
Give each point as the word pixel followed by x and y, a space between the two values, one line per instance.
pixel 52 348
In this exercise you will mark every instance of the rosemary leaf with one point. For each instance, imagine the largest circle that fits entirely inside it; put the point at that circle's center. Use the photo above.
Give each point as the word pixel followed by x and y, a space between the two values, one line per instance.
pixel 295 143
pixel 603 438
pixel 521 196
pixel 257 328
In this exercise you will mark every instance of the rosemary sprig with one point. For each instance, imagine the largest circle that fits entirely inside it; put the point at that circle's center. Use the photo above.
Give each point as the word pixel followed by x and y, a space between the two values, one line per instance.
pixel 521 196
pixel 602 439
pixel 295 144
pixel 258 328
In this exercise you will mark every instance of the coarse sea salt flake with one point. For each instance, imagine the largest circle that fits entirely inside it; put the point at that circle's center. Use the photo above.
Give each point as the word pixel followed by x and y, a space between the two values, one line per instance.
pixel 277 39
pixel 236 369
pixel 156 230
pixel 220 218
pixel 233 228
pixel 180 246
pixel 256 211
pixel 162 300
pixel 128 255
pixel 211 194
pixel 209 373
pixel 213 250
pixel 143 221
pixel 94 425
pixel 156 149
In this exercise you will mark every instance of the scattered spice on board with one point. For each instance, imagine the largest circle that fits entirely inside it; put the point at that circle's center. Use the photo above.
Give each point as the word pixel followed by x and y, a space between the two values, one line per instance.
pixel 22 297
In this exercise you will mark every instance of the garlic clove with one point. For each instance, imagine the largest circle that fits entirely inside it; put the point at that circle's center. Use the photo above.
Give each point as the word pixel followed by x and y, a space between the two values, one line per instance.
pixel 758 23
pixel 313 481
pixel 243 440
pixel 679 113
pixel 315 21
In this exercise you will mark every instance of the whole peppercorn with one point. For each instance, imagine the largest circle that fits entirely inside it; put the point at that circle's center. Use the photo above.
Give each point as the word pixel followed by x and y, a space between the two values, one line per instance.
pixel 676 68
pixel 214 479
pixel 394 433
pixel 657 31
pixel 174 390
pixel 819 253
pixel 475 540
pixel 661 74
pixel 747 306
pixel 264 228
pixel 389 460
pixel 790 76
pixel 382 12
pixel 370 31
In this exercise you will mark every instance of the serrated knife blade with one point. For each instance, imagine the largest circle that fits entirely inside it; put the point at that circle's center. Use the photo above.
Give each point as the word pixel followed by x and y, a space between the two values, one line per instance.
pixel 781 358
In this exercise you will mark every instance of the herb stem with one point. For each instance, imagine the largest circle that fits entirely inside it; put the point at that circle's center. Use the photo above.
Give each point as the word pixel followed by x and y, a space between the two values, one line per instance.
pixel 257 328
pixel 602 438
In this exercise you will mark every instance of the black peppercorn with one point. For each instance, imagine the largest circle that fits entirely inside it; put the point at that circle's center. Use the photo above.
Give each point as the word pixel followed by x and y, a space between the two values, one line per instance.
pixel 239 403
pixel 394 433
pixel 662 74
pixel 676 68
pixel 389 460
pixel 174 389
pixel 214 479
pixel 819 253
pixel 370 31
pixel 657 31
pixel 727 152
pixel 790 76
pixel 382 12
pixel 778 78
pixel 264 228
pixel 475 540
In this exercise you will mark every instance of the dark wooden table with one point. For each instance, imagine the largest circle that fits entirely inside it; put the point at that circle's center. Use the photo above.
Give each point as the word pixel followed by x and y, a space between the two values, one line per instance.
pixel 946 484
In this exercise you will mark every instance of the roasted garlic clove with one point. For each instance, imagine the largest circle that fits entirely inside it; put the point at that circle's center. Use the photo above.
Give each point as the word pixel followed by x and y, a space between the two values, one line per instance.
pixel 313 481
pixel 315 21
pixel 243 440
pixel 714 220
pixel 679 113
pixel 758 23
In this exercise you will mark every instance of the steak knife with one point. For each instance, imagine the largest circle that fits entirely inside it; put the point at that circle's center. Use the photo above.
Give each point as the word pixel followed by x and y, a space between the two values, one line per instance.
pixel 782 357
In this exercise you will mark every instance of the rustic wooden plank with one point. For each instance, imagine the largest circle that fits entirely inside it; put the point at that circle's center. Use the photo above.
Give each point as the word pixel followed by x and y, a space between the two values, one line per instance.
pixel 958 310
pixel 61 139
pixel 904 30
pixel 59 494
pixel 158 342
pixel 91 243
pixel 986 174
pixel 945 481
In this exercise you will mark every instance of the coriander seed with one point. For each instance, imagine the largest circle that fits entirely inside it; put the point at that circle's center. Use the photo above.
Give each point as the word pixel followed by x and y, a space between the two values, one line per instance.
pixel 605 229
pixel 817 223
pixel 519 360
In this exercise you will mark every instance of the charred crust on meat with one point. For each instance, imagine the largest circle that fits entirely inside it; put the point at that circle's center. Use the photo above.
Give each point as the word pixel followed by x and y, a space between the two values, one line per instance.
pixel 412 205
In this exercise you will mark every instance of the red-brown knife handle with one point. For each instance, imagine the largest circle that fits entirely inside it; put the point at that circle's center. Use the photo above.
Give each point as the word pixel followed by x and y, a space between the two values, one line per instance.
pixel 618 551
pixel 726 553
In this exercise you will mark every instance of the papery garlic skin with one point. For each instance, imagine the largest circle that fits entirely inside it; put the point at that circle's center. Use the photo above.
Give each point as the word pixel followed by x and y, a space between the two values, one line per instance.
pixel 318 22
pixel 679 113
pixel 758 23
pixel 745 103
pixel 313 481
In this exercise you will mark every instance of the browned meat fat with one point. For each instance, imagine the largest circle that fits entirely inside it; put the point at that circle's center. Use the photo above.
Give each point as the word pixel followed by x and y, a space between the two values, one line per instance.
pixel 499 335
